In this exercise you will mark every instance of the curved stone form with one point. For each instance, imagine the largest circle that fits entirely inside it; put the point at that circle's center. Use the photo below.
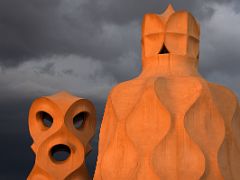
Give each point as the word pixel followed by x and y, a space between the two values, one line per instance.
pixel 170 123
pixel 61 126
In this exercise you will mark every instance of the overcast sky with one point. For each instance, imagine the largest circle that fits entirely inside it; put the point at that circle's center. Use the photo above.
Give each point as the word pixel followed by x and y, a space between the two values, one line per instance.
pixel 86 47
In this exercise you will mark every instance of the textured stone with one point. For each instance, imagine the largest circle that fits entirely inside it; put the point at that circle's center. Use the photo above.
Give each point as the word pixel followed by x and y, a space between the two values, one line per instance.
pixel 61 126
pixel 169 122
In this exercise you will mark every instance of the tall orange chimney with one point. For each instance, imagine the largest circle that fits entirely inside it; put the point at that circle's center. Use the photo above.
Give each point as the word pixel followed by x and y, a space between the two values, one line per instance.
pixel 169 122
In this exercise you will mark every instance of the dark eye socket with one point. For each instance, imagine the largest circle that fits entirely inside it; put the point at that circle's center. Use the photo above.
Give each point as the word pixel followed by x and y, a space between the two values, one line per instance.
pixel 79 120
pixel 45 118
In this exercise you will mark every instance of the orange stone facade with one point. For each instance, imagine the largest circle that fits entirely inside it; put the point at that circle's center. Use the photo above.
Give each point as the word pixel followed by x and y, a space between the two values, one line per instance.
pixel 169 122
pixel 61 127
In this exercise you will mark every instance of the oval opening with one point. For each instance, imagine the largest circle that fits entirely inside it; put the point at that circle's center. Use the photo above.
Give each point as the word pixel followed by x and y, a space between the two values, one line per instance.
pixel 45 118
pixel 60 152
pixel 79 120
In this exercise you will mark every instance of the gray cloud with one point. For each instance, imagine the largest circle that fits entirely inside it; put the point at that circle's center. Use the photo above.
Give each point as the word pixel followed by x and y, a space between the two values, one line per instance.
pixel 31 29
pixel 220 46
pixel 73 73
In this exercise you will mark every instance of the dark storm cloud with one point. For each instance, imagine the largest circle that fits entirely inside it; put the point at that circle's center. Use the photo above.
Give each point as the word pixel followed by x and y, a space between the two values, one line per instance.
pixel 125 11
pixel 32 29
pixel 22 29
pixel 219 46
pixel 16 156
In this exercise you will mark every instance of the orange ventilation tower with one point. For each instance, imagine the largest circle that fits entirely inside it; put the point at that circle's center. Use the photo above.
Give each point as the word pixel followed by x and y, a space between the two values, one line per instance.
pixel 61 126
pixel 169 123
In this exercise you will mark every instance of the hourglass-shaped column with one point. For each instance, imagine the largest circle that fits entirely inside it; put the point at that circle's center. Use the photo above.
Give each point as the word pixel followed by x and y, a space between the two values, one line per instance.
pixel 169 122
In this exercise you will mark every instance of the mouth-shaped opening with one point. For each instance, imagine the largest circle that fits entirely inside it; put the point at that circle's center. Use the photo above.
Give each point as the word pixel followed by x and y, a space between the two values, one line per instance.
pixel 164 50
pixel 60 152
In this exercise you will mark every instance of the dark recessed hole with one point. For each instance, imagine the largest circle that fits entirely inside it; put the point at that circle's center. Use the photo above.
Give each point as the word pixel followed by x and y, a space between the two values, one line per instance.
pixel 46 118
pixel 164 50
pixel 60 152
pixel 79 120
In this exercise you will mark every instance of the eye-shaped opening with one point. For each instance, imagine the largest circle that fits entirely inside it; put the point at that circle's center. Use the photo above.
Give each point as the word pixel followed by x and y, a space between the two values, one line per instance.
pixel 164 50
pixel 45 118
pixel 79 120
pixel 60 152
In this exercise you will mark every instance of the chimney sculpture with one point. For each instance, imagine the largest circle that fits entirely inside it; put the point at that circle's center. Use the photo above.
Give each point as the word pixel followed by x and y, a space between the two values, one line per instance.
pixel 170 123
pixel 61 126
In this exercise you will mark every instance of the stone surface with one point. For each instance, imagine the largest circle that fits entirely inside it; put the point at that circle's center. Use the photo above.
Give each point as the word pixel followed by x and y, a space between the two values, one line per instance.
pixel 61 127
pixel 169 122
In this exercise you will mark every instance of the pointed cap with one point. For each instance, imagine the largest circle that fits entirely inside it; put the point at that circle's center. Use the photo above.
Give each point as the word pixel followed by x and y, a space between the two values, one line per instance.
pixel 165 15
